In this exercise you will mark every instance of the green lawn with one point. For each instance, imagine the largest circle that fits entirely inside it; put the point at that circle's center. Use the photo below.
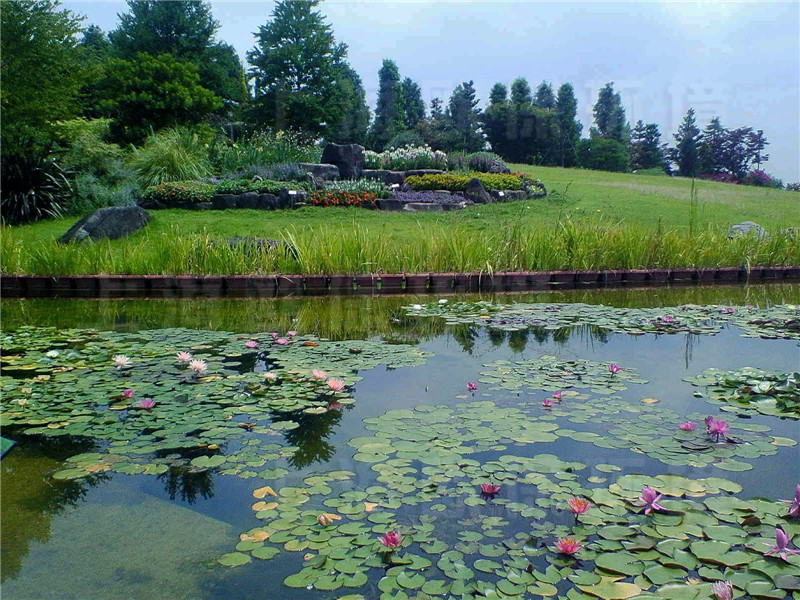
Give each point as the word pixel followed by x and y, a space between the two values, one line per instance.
pixel 590 220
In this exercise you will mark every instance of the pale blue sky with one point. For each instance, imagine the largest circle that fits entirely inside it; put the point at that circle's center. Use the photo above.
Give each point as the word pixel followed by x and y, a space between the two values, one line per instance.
pixel 739 61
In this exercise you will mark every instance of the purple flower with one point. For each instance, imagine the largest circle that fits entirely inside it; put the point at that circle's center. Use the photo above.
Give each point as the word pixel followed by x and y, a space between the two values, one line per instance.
pixel 614 369
pixel 649 500
pixel 780 546
pixel 794 509
pixel 687 426
pixel 557 396
pixel 717 429
pixel 147 403
pixel 667 319
pixel 472 386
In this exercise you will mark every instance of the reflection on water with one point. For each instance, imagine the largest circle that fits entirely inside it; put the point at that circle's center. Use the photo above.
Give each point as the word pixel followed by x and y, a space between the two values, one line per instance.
pixel 186 484
pixel 311 437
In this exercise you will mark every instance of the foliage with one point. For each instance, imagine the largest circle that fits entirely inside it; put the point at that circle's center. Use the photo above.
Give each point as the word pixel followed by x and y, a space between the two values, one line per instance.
pixel 545 98
pixel 657 171
pixel 176 154
pixel 761 178
pixel 85 149
pixel 483 162
pixel 178 192
pixel 403 139
pixel 569 126
pixel 241 186
pixel 296 63
pixel 686 154
pixel 793 187
pixel 333 197
pixel 603 154
pixel 646 151
pixel 33 187
pixel 521 91
pixel 43 70
pixel 498 93
pixel 719 177
pixel 352 127
pixel 91 192
pixel 413 104
pixel 458 182
pixel 357 186
pixel 148 93
pixel 279 172
pixel 523 133
pixel 404 159
pixel 389 114
pixel 731 150
pixel 465 119
pixel 609 116
pixel 264 148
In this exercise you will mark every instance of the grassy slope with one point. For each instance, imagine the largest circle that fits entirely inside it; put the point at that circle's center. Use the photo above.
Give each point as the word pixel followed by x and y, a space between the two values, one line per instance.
pixel 584 196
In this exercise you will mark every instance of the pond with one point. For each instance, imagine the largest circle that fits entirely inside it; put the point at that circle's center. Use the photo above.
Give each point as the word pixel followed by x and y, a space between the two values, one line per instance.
pixel 553 445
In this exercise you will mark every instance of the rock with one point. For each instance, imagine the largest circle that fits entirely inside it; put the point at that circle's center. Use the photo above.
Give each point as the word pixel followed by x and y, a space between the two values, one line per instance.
pixel 390 204
pixel 746 228
pixel 288 198
pixel 267 202
pixel 392 177
pixel 223 201
pixel 379 174
pixel 423 207
pixel 316 183
pixel 448 206
pixel 507 195
pixel 325 172
pixel 476 192
pixel 349 158
pixel 107 223
pixel 248 200
pixel 257 244
pixel 499 169
pixel 422 172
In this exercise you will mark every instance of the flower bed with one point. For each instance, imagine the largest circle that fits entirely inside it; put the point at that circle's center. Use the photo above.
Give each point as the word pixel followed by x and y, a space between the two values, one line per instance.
pixel 407 158
pixel 342 198
pixel 180 192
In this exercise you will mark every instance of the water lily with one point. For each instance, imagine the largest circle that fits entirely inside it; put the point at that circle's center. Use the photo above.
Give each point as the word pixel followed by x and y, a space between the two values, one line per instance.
pixel 282 341
pixel 335 405
pixel 794 509
pixel 649 500
pixel 270 377
pixel 578 506
pixel 416 306
pixel 687 426
pixel 472 386
pixel 568 546
pixel 547 403
pixel 127 394
pixel 614 369
pixel 557 396
pixel 667 319
pixel 442 301
pixel 147 403
pixel 274 335
pixel 716 428
pixel 391 540
pixel 723 590
pixel 780 547
pixel 489 490
pixel 251 344
pixel 52 354
pixel 335 385
pixel 317 374
pixel 291 334
pixel 184 357
pixel 198 367
pixel 121 361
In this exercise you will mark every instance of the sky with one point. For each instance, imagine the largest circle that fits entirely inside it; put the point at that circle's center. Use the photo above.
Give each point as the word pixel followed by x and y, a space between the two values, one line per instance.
pixel 739 61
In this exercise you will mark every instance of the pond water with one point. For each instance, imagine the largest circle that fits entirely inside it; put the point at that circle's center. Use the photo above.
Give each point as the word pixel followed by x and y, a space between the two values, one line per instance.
pixel 252 475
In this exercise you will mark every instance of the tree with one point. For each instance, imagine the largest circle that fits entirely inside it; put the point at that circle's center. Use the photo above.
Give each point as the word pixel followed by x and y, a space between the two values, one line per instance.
pixel 389 113
pixel 296 66
pixel 222 72
pixel 42 69
pixel 569 126
pixel 603 154
pixel 413 104
pixel 609 116
pixel 521 91
pixel 711 147
pixel 686 153
pixel 498 94
pixel 645 150
pixel 465 118
pixel 756 143
pixel 150 92
pixel 544 96
pixel 522 132
pixel 351 127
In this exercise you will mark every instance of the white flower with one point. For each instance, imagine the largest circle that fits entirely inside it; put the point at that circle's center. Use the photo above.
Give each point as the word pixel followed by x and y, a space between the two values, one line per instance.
pixel 198 366
pixel 442 301
pixel 52 354
pixel 416 306
pixel 120 361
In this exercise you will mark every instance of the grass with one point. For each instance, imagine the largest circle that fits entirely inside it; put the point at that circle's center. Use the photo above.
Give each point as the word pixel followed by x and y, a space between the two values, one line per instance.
pixel 591 220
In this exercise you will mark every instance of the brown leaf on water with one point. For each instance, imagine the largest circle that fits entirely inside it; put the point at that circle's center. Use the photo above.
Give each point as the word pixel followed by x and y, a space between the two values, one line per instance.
pixel 264 491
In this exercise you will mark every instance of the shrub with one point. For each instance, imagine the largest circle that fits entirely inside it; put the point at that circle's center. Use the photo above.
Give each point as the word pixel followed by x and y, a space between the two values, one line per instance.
pixel 176 192
pixel 91 192
pixel 85 148
pixel 342 198
pixel 761 178
pixel 33 186
pixel 241 186
pixel 355 186
pixel 601 154
pixel 261 149
pixel 408 157
pixel 483 162
pixel 281 172
pixel 793 187
pixel 652 171
pixel 176 154
pixel 719 177
pixel 458 182
pixel 403 139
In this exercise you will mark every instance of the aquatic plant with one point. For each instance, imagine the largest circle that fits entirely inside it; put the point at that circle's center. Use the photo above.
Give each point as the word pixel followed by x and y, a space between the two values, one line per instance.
pixel 687 426
pixel 578 506
pixel 794 509
pixel 391 540
pixel 568 546
pixel 649 500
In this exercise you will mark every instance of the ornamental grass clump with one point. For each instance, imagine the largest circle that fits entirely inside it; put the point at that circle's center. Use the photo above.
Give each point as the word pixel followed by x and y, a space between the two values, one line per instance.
pixel 405 158
pixel 356 186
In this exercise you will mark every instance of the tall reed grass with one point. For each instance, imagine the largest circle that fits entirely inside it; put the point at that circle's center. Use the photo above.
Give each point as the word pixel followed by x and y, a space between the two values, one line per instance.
pixel 425 247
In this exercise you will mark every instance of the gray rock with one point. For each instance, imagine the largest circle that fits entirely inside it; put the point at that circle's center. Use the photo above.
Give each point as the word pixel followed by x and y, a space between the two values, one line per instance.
pixel 107 223
pixel 392 177
pixel 507 195
pixel 288 198
pixel 349 158
pixel 223 201
pixel 499 169
pixel 262 245
pixel 267 202
pixel 316 183
pixel 379 174
pixel 476 192
pixel 390 204
pixel 423 207
pixel 422 172
pixel 326 172
pixel 248 200
pixel 448 206
pixel 746 228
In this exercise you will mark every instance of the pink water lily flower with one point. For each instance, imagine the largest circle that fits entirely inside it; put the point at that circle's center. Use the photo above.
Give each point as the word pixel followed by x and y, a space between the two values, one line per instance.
pixel 472 386
pixel 557 396
pixel 489 490
pixel 198 367
pixel 723 590
pixel 649 500
pixel 391 540
pixel 667 319
pixel 121 361
pixel 147 403
pixel 780 547
pixel 282 341
pixel 335 385
pixel 335 405
pixel 127 394
pixel 270 377
pixel 274 335
pixel 614 369
pixel 687 426
pixel 251 344
pixel 547 403
pixel 568 546
pixel 291 333
pixel 794 509
pixel 717 428
pixel 184 357
pixel 317 374
pixel 578 506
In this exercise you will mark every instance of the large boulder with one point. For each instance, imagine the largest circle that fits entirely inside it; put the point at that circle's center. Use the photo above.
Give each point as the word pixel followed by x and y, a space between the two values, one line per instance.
pixel 746 228
pixel 476 192
pixel 107 223
pixel 349 158
pixel 326 172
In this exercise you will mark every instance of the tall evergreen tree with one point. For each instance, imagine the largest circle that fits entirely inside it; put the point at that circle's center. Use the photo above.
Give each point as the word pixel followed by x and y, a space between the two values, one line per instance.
pixel 686 153
pixel 296 66
pixel 353 125
pixel 465 118
pixel 569 125
pixel 389 113
pixel 609 116
pixel 521 91
pixel 646 151
pixel 711 147
pixel 498 93
pixel 756 143
pixel 413 104
pixel 545 98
